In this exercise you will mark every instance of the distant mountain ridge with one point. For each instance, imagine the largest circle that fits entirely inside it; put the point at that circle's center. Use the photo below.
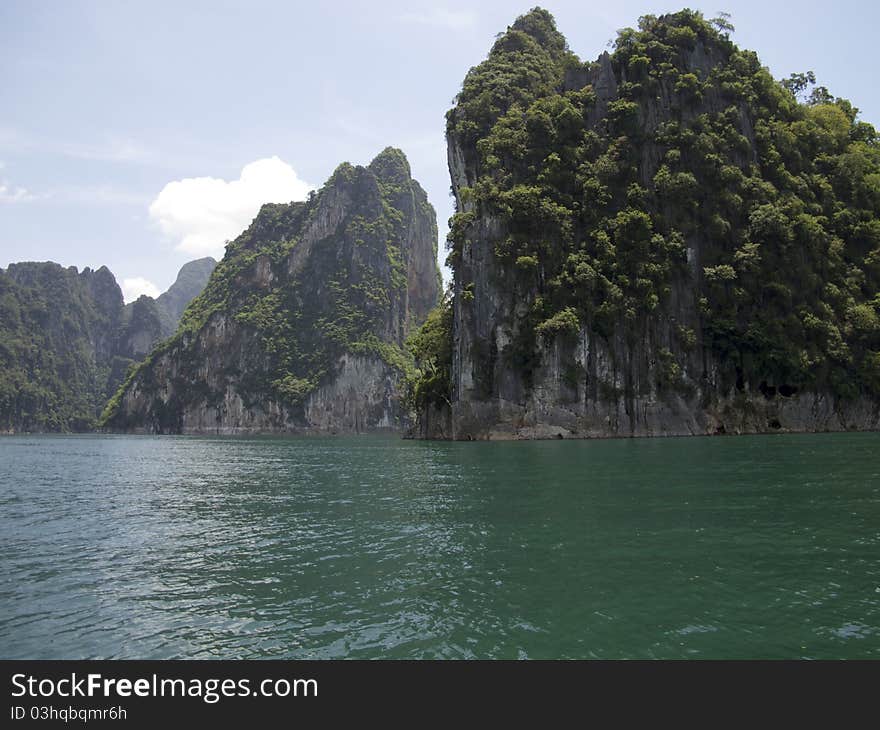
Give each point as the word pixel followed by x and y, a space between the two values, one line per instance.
pixel 149 320
pixel 191 279
pixel 67 339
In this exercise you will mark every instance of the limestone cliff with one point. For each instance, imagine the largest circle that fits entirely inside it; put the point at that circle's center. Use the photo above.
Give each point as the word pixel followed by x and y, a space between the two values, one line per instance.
pixel 663 242
pixel 66 341
pixel 302 324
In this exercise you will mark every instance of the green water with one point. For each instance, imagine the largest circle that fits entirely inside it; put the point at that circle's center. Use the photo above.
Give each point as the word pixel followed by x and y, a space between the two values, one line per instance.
pixel 153 547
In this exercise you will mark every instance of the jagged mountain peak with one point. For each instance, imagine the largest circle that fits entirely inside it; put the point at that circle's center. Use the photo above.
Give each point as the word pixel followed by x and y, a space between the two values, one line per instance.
pixel 540 25
pixel 391 165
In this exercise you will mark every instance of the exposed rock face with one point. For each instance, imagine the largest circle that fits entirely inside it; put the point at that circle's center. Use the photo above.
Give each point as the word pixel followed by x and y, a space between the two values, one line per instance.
pixel 66 341
pixel 191 280
pixel 143 327
pixel 362 396
pixel 148 320
pixel 302 325
pixel 644 374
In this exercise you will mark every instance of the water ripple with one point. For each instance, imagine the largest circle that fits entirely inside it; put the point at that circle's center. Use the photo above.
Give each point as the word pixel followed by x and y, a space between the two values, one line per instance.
pixel 148 547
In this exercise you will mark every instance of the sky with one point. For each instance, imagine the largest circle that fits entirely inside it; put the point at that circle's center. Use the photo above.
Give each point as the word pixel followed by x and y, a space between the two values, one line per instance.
pixel 141 135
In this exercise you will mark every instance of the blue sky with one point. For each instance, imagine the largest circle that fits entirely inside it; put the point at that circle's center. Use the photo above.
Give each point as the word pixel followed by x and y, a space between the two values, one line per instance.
pixel 105 107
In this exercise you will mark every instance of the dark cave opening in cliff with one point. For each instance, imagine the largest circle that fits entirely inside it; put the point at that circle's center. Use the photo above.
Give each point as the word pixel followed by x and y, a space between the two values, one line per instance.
pixel 771 391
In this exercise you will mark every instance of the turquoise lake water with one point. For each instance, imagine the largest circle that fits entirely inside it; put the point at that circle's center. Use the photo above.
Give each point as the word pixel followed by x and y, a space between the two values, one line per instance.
pixel 374 547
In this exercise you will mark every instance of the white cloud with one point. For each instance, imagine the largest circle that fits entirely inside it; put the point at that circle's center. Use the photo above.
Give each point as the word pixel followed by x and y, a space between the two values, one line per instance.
pixel 134 287
pixel 9 194
pixel 440 18
pixel 202 213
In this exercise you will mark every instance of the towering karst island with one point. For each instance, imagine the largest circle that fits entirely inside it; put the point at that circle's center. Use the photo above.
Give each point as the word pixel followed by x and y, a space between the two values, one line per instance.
pixel 303 324
pixel 664 241
pixel 67 340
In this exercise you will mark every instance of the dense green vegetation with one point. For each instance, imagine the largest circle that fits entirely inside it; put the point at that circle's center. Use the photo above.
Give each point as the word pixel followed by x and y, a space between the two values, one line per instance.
pixel 292 323
pixel 55 367
pixel 699 149
pixel 429 382
pixel 67 341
